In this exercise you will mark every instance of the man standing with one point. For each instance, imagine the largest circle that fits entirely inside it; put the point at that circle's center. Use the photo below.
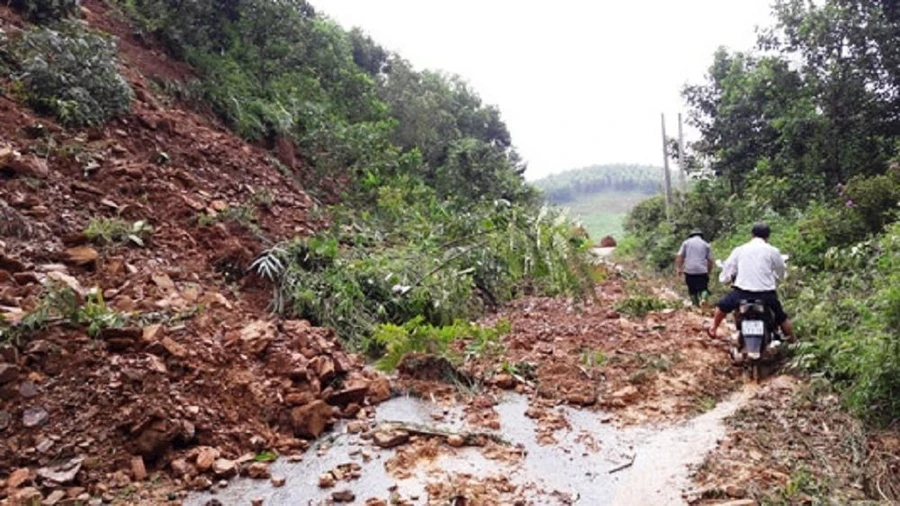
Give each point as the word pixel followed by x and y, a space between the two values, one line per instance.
pixel 755 268
pixel 695 262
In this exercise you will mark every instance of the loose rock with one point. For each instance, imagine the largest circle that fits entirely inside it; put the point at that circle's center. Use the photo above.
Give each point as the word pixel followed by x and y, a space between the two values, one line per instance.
pixel 343 496
pixel 82 256
pixel 327 480
pixel 34 417
pixel 18 477
pixel 8 373
pixel 390 439
pixel 311 420
pixel 258 471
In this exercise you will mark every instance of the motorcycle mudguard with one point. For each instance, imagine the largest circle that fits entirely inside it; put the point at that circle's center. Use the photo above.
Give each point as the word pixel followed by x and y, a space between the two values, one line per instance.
pixel 753 345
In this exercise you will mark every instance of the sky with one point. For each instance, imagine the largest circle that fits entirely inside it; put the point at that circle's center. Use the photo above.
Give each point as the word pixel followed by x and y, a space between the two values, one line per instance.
pixel 578 82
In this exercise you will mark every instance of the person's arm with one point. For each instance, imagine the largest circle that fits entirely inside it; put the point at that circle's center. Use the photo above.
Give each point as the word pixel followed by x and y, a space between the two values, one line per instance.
pixel 778 264
pixel 679 260
pixel 729 269
pixel 709 259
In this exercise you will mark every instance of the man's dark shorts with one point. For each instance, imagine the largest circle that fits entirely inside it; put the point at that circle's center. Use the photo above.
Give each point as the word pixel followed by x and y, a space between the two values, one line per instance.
pixel 730 302
pixel 697 283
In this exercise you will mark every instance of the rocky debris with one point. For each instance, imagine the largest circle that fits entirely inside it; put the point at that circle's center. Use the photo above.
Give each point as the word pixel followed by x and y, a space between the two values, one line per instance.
pixel 27 497
pixel 608 242
pixel 54 498
pixel 18 478
pixel 28 390
pixel 343 496
pixel 206 457
pixel 278 481
pixel 82 256
pixel 63 472
pixel 258 471
pixel 456 441
pixel 11 265
pixel 22 165
pixel 390 438
pixel 138 469
pixel 311 419
pixel 8 373
pixel 504 381
pixel 327 480
pixel 224 468
pixel 802 425
pixel 35 417
pixel 67 280
pixel 379 390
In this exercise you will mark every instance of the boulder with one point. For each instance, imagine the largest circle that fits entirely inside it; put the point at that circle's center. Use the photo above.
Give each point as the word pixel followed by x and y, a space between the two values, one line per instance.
pixel 310 421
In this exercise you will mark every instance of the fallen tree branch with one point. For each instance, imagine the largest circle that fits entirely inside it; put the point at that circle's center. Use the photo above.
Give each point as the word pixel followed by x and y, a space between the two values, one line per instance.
pixel 623 466
pixel 468 438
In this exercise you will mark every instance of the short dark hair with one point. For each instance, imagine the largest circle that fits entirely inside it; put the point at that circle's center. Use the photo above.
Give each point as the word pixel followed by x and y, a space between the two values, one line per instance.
pixel 761 230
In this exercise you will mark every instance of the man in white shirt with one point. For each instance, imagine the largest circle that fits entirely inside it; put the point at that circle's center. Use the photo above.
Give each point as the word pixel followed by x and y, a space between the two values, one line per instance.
pixel 695 262
pixel 756 267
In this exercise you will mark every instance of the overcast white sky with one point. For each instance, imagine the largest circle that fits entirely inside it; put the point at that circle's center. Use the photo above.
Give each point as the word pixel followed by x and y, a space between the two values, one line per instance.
pixel 578 82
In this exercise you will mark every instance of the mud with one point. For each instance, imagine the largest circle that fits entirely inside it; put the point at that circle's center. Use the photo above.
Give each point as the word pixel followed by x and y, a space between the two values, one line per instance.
pixel 594 462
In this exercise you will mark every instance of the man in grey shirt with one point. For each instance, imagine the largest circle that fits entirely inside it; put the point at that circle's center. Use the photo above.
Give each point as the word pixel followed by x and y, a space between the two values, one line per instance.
pixel 695 261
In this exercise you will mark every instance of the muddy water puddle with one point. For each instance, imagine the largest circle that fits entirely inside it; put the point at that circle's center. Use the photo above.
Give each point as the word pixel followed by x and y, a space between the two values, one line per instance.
pixel 593 463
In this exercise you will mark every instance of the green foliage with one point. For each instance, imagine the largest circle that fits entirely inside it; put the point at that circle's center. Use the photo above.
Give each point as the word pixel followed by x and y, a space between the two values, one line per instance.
pixel 41 11
pixel 850 319
pixel 115 231
pixel 59 303
pixel 355 112
pixel 71 72
pixel 593 358
pixel 94 315
pixel 418 336
pixel 567 187
pixel 414 255
pixel 802 132
pixel 640 305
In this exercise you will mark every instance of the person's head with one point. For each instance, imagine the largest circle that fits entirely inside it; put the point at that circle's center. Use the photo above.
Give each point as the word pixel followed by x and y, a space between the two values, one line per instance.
pixel 695 233
pixel 761 230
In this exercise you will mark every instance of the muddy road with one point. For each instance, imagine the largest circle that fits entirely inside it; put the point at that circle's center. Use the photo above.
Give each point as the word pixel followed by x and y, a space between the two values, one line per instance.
pixel 601 402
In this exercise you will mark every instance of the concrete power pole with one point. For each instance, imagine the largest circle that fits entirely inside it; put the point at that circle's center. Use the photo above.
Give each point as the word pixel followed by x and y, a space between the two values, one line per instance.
pixel 682 162
pixel 668 174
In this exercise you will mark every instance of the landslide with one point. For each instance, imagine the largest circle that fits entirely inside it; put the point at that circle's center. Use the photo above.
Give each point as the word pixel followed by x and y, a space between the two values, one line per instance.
pixel 605 353
pixel 201 368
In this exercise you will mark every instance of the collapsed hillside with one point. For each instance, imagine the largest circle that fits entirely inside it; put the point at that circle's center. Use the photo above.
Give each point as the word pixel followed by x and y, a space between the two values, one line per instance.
pixel 199 362
pixel 156 185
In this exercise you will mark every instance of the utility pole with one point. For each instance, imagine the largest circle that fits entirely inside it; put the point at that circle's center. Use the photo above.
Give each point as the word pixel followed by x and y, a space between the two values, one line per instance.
pixel 682 162
pixel 668 175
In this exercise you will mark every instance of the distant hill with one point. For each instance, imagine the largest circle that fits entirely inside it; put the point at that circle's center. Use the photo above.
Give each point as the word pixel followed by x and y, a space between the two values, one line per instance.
pixel 601 195
pixel 570 185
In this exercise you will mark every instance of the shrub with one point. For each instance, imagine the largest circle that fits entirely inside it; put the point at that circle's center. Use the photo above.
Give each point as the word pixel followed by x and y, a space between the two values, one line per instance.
pixel 413 255
pixel 72 74
pixel 418 336
pixel 114 230
pixel 640 305
pixel 41 11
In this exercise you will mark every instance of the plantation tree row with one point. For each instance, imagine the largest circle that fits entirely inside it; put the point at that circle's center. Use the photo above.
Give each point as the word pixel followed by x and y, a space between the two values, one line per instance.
pixel 570 185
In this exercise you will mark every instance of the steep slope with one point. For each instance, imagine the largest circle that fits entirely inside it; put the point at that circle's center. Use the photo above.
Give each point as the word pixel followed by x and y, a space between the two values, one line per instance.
pixel 199 361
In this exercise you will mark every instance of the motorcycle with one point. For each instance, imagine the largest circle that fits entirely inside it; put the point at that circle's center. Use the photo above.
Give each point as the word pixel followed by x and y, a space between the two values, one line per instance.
pixel 758 337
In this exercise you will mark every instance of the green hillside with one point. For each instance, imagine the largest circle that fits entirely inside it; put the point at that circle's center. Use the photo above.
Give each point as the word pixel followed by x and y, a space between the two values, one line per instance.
pixel 601 195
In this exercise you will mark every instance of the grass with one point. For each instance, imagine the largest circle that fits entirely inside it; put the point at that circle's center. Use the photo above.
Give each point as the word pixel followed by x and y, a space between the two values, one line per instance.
pixel 603 213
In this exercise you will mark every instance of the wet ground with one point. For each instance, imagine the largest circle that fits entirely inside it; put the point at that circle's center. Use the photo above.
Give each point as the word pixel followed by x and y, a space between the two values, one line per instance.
pixel 595 462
